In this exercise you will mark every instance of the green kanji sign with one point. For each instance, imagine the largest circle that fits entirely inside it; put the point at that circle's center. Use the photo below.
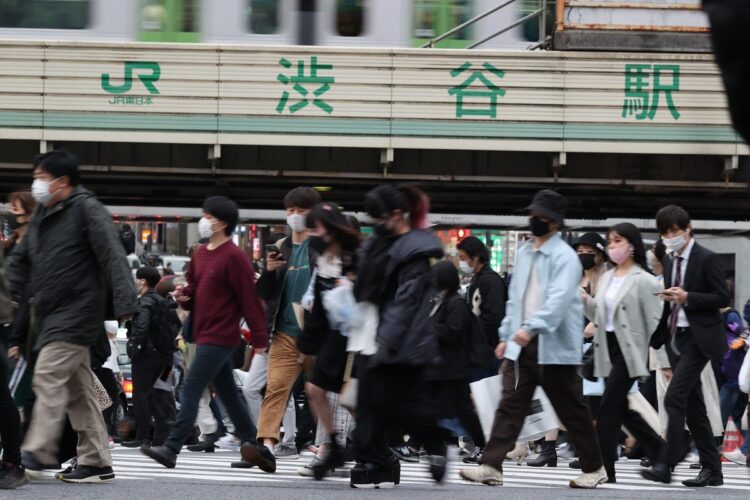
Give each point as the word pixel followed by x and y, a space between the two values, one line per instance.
pixel 490 93
pixel 300 83
pixel 643 85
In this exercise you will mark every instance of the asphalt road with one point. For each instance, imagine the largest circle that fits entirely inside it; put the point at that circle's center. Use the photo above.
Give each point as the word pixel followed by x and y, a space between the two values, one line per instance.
pixel 209 477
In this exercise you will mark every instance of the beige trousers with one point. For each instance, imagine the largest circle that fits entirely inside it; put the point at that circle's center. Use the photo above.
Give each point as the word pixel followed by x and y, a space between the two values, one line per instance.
pixel 63 384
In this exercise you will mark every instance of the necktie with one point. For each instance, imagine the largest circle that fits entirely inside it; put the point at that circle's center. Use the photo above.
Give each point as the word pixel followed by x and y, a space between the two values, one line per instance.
pixel 674 314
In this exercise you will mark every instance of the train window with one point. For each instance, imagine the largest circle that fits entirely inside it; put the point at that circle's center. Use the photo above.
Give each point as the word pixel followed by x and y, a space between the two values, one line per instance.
pixel 531 27
pixel 45 14
pixel 350 17
pixel 432 18
pixel 263 16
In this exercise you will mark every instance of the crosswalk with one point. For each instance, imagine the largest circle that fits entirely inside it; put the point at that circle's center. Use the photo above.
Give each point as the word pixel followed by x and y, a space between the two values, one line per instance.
pixel 130 464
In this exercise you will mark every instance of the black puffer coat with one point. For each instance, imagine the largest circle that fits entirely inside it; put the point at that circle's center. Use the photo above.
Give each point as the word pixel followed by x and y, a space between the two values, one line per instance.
pixel 76 260
pixel 406 334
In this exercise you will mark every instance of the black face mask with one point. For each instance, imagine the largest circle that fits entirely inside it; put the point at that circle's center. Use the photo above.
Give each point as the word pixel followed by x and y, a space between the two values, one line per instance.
pixel 588 260
pixel 12 221
pixel 539 227
pixel 382 230
pixel 317 244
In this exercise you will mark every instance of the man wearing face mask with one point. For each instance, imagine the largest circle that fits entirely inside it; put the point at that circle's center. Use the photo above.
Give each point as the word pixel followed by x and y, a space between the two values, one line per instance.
pixel 282 286
pixel 540 338
pixel 691 328
pixel 76 260
pixel 486 295
pixel 220 293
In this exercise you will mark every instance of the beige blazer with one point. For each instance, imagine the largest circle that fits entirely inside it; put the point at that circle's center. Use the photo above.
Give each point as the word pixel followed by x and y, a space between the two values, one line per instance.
pixel 637 315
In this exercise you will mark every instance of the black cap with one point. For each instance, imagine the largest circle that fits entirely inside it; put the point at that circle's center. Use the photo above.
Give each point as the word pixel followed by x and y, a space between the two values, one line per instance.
pixel 593 240
pixel 550 204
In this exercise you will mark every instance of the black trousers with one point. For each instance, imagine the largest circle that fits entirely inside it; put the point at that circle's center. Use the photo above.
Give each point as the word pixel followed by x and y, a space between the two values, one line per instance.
pixel 10 421
pixel 563 387
pixel 164 410
pixel 146 370
pixel 454 399
pixel 684 402
pixel 614 412
pixel 392 396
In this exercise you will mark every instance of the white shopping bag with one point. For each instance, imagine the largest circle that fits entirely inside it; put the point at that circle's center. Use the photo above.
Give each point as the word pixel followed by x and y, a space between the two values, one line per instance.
pixel 487 394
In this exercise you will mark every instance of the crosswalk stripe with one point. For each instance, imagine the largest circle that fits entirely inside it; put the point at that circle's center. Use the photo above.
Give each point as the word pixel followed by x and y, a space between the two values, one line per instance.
pixel 132 465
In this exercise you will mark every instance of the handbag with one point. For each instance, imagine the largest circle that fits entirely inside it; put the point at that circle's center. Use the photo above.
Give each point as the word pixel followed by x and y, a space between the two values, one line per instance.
pixel 587 365
pixel 350 389
pixel 103 401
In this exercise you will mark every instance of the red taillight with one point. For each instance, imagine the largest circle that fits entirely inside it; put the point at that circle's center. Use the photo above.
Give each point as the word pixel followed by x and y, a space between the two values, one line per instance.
pixel 127 386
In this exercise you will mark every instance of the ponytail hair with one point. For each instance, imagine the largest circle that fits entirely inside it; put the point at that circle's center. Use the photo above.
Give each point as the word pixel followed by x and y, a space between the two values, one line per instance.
pixel 412 201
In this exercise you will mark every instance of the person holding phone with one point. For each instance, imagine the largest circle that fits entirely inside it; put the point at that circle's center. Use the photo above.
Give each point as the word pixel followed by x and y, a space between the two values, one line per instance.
pixel 624 313
pixel 692 329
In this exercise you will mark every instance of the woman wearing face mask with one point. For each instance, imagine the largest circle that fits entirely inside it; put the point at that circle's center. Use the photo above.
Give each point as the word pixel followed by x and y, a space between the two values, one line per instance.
pixel 12 474
pixel 336 241
pixel 394 274
pixel 625 312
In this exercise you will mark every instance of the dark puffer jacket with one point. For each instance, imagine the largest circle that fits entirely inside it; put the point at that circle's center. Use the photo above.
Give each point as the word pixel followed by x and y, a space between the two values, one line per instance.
pixel 76 259
pixel 406 334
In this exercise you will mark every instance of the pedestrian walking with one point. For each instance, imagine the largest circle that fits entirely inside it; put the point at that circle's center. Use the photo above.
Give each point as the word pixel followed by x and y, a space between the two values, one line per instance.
pixel 692 330
pixel 448 382
pixel 76 263
pixel 150 349
pixel 282 285
pixel 394 274
pixel 220 292
pixel 625 312
pixel 486 296
pixel 336 241
pixel 541 339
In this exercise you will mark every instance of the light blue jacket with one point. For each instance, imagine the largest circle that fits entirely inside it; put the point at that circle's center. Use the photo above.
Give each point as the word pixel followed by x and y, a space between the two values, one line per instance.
pixel 559 320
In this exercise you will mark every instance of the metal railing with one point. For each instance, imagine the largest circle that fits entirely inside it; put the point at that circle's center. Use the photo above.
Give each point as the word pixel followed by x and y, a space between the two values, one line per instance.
pixel 540 12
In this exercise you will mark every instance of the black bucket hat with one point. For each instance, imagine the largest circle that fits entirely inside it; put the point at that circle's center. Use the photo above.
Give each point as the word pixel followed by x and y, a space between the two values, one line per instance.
pixel 593 240
pixel 550 204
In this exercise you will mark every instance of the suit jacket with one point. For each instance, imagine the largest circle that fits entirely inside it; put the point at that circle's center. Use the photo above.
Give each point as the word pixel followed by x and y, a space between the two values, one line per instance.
pixel 705 283
pixel 637 314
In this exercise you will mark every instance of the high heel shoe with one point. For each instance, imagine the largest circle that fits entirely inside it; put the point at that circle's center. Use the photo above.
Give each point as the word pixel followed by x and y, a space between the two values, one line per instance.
pixel 519 453
pixel 547 458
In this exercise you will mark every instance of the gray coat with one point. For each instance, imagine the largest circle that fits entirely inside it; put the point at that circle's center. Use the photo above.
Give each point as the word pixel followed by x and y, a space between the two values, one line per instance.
pixel 637 315
pixel 76 261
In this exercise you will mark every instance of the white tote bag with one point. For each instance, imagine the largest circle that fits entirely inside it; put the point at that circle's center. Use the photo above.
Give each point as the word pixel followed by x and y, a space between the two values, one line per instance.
pixel 487 394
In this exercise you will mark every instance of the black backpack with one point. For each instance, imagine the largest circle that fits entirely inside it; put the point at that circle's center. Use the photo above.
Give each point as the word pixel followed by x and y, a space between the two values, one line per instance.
pixel 480 352
pixel 165 326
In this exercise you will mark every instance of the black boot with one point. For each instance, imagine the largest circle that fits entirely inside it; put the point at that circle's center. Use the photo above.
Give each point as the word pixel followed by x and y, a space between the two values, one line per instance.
pixel 547 458
pixel 206 445
pixel 333 458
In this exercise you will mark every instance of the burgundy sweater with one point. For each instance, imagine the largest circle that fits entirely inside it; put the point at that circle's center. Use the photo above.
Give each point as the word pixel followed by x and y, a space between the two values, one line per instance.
pixel 221 284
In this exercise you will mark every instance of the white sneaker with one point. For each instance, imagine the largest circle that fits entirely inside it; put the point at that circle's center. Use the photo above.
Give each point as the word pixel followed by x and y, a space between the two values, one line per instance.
pixel 590 480
pixel 692 458
pixel 229 443
pixel 483 474
pixel 736 456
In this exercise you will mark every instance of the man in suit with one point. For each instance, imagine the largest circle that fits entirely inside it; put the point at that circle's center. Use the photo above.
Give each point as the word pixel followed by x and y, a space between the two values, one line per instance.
pixel 692 329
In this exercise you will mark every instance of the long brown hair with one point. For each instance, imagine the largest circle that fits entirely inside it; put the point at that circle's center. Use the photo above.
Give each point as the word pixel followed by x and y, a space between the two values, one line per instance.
pixel 23 198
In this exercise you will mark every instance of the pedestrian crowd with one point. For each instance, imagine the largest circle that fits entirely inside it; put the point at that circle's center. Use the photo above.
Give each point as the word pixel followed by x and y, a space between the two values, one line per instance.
pixel 363 350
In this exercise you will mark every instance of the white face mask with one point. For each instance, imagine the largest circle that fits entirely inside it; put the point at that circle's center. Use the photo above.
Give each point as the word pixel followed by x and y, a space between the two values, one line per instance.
pixel 675 244
pixel 465 267
pixel 296 222
pixel 40 191
pixel 205 228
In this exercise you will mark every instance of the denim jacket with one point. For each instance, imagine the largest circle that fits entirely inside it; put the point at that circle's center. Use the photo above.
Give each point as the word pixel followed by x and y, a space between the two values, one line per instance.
pixel 559 321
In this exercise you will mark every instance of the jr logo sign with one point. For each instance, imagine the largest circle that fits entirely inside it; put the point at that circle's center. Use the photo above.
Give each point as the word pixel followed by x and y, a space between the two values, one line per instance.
pixel 147 72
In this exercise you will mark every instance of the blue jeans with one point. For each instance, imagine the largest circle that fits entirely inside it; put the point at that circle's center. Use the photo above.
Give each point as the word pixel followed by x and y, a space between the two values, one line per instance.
pixel 212 365
pixel 729 396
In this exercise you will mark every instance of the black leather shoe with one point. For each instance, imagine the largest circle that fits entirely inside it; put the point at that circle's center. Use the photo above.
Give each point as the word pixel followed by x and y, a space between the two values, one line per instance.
pixel 161 454
pixel 707 477
pixel 659 473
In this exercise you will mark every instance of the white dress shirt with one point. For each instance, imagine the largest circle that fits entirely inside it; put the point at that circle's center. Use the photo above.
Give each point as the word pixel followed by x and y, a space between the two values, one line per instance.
pixel 682 321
